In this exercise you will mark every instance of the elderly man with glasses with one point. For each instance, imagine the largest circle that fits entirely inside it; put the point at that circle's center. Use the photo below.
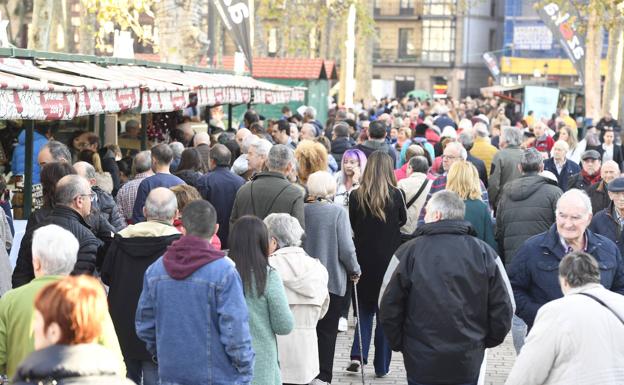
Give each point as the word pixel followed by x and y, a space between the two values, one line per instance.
pixel 533 271
pixel 72 205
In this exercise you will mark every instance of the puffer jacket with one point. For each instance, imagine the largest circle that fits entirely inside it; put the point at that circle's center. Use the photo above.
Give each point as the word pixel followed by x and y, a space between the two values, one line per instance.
pixel 476 311
pixel 526 208
pixel 18 162
pixel 105 204
pixel 305 281
pixel 69 219
pixel 84 364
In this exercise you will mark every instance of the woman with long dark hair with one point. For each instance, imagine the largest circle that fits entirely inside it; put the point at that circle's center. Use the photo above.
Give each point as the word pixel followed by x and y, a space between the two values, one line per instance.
pixel 190 168
pixel 377 212
pixel 269 313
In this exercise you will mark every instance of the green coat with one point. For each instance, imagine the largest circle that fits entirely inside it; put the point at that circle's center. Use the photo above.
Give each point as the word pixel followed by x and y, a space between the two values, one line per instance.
pixel 478 214
pixel 16 336
pixel 269 315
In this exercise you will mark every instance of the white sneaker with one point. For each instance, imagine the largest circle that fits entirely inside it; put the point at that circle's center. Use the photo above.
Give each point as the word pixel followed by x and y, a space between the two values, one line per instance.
pixel 343 325
pixel 316 381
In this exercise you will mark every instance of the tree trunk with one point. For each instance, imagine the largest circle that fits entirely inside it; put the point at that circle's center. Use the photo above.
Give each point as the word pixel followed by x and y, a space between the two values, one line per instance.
pixel 593 53
pixel 343 61
pixel 180 39
pixel 57 30
pixel 87 32
pixel 615 62
pixel 39 32
pixel 364 56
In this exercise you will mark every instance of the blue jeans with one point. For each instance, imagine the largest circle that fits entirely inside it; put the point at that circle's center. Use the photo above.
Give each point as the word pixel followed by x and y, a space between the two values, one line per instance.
pixel 518 332
pixel 146 370
pixel 383 353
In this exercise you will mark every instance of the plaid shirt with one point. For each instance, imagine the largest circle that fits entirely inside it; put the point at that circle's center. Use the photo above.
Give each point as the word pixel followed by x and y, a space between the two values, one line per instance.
pixel 128 192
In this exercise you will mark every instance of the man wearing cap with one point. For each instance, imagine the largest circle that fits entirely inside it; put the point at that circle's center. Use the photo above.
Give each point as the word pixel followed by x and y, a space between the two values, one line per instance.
pixel 609 222
pixel 533 271
pixel 598 191
pixel 590 171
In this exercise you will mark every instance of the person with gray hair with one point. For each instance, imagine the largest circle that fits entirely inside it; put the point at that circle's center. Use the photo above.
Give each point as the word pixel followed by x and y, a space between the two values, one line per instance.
pixel 142 167
pixel 201 142
pixel 54 151
pixel 72 205
pixel 257 155
pixel 103 206
pixel 505 163
pixel 270 191
pixel 416 187
pixel 177 148
pixel 329 238
pixel 443 250
pixel 305 281
pixel 562 167
pixel 467 141
pixel 482 148
pixel 54 250
pixel 219 187
pixel 575 339
pixel 132 251
pixel 241 164
pixel 533 269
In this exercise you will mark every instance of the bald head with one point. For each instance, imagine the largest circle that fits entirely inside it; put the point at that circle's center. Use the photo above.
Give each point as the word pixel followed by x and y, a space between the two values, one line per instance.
pixel 201 138
pixel 160 205
pixel 86 171
pixel 307 132
pixel 609 171
pixel 241 134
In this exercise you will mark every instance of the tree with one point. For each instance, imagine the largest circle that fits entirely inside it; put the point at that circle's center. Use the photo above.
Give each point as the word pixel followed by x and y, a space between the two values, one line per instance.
pixel 364 51
pixel 593 55
pixel 39 33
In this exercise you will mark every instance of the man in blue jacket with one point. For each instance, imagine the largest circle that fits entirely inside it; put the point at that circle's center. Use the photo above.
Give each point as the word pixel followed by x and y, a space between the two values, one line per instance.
pixel 192 313
pixel 533 271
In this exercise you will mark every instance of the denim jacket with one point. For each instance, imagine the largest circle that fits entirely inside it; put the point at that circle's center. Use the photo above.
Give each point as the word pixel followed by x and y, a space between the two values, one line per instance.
pixel 198 327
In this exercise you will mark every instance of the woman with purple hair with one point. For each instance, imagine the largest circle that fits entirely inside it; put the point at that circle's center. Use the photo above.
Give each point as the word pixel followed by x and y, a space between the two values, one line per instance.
pixel 348 178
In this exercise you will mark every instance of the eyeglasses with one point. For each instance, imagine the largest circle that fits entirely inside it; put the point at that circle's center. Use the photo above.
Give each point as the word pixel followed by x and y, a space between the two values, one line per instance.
pixel 449 157
pixel 91 195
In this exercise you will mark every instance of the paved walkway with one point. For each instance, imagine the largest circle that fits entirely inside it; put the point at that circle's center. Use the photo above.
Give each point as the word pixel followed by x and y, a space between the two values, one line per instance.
pixel 500 361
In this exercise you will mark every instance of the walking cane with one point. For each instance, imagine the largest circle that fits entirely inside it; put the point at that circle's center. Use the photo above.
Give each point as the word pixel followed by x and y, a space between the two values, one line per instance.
pixel 359 330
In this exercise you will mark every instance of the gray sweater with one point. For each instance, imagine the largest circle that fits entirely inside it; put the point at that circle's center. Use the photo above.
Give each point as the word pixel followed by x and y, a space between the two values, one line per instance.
pixel 328 238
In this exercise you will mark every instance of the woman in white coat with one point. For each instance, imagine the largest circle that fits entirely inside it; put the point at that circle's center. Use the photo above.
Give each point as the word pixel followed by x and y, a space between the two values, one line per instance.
pixel 576 339
pixel 305 280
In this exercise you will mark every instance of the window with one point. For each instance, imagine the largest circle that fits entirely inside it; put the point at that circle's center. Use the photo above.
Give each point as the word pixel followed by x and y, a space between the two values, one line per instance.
pixel 377 7
pixel 438 40
pixel 439 7
pixel 492 40
pixel 406 43
pixel 406 7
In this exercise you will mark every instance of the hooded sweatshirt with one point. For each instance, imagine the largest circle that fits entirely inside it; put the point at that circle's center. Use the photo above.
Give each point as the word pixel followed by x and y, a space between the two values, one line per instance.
pixel 187 255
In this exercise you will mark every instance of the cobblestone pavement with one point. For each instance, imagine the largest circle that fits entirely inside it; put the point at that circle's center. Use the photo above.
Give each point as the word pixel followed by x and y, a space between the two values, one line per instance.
pixel 500 361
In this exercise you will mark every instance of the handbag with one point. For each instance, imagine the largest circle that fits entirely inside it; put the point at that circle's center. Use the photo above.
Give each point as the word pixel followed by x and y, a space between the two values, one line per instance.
pixel 603 304
pixel 407 237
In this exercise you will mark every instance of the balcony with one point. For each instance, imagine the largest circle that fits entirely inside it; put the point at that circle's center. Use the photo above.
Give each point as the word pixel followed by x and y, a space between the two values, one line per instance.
pixel 417 58
pixel 392 56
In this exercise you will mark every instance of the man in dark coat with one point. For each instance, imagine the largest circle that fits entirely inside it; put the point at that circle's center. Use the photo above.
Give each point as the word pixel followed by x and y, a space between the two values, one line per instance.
pixel 526 207
pixel 505 163
pixel 560 166
pixel 534 270
pixel 270 191
pixel 461 273
pixel 219 187
pixel 341 142
pixel 377 141
pixel 598 191
pixel 590 171
pixel 132 251
pixel 467 140
pixel 609 222
pixel 72 205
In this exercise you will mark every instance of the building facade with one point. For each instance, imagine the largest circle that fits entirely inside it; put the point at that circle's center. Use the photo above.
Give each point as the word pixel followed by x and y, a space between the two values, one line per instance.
pixel 423 43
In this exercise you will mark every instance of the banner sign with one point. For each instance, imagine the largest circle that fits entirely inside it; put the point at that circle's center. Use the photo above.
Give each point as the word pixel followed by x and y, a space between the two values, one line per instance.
pixel 236 17
pixel 563 24
pixel 541 100
pixel 492 64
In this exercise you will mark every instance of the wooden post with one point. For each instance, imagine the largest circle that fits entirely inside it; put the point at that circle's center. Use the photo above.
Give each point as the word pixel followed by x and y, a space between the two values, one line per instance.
pixel 143 132
pixel 229 117
pixel 28 169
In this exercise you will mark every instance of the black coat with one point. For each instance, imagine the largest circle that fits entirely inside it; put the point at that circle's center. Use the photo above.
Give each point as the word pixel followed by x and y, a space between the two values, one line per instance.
pixel 123 269
pixel 107 206
pixel 618 154
pixel 605 224
pixel 189 177
pixel 338 148
pixel 445 303
pixel 84 364
pixel 569 169
pixel 526 208
pixel 599 196
pixel 70 220
pixel 376 241
pixel 480 165
pixel 577 181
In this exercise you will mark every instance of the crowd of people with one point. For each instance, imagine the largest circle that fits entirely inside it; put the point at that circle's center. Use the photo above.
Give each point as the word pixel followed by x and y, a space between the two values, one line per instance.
pixel 236 257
